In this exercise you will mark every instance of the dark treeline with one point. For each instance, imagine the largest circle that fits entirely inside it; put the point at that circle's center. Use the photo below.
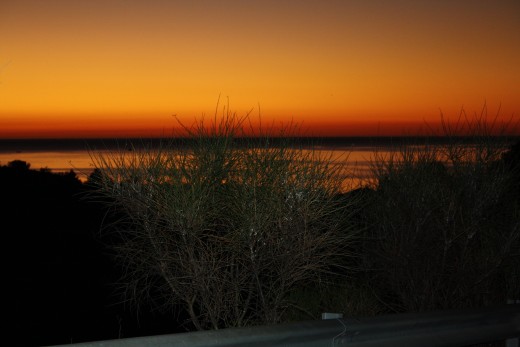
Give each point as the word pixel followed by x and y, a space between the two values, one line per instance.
pixel 60 278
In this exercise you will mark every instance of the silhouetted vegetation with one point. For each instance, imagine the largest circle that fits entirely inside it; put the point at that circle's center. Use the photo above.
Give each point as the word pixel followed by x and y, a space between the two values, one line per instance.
pixel 59 277
pixel 226 231
pixel 443 235
pixel 441 229
pixel 437 234
pixel 442 225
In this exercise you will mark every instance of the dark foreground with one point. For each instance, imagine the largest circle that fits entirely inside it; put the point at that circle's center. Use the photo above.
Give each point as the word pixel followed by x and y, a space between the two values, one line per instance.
pixel 61 279
pixel 58 274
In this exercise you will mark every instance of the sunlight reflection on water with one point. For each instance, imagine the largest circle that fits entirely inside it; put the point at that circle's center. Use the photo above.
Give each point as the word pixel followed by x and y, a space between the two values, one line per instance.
pixel 56 161
pixel 356 161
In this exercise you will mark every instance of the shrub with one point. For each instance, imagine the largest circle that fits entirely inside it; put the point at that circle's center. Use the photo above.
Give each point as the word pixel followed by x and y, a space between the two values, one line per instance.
pixel 444 225
pixel 225 226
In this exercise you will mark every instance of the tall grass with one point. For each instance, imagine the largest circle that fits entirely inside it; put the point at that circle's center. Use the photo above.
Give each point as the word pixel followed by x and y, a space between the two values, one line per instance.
pixel 225 227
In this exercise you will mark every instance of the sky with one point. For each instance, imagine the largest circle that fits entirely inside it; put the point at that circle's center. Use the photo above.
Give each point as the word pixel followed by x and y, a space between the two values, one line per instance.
pixel 114 68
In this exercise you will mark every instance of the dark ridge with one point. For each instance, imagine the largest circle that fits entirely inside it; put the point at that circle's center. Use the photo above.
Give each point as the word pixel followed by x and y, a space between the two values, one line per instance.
pixel 45 145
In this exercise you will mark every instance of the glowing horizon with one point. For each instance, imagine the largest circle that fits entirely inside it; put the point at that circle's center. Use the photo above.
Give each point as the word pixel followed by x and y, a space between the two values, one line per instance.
pixel 117 68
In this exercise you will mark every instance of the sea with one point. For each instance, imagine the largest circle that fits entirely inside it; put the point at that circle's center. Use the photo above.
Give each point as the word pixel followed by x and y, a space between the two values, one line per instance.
pixel 356 155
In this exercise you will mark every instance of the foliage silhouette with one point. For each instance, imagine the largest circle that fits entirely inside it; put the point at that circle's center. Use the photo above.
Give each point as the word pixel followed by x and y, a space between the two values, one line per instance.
pixel 443 225
pixel 226 230
pixel 59 276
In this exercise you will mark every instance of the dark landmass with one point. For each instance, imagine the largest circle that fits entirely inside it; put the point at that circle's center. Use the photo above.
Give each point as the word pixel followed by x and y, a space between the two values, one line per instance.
pixel 45 145
pixel 60 277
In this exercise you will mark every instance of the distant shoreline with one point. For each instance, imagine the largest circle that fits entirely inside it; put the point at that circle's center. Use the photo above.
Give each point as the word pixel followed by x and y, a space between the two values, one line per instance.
pixel 46 145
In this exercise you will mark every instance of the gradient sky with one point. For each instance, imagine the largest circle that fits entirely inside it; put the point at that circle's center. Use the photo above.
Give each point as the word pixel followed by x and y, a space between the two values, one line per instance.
pixel 103 68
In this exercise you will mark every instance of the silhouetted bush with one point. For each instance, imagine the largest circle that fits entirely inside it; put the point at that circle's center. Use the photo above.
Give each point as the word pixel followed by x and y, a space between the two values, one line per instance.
pixel 18 165
pixel 444 226
pixel 226 231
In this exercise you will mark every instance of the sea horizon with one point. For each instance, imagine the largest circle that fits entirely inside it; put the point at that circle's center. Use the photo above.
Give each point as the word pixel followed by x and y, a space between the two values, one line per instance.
pixel 63 155
pixel 110 143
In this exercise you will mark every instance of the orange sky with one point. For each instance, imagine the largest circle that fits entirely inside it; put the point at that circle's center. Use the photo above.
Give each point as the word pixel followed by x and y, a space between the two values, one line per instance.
pixel 340 67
